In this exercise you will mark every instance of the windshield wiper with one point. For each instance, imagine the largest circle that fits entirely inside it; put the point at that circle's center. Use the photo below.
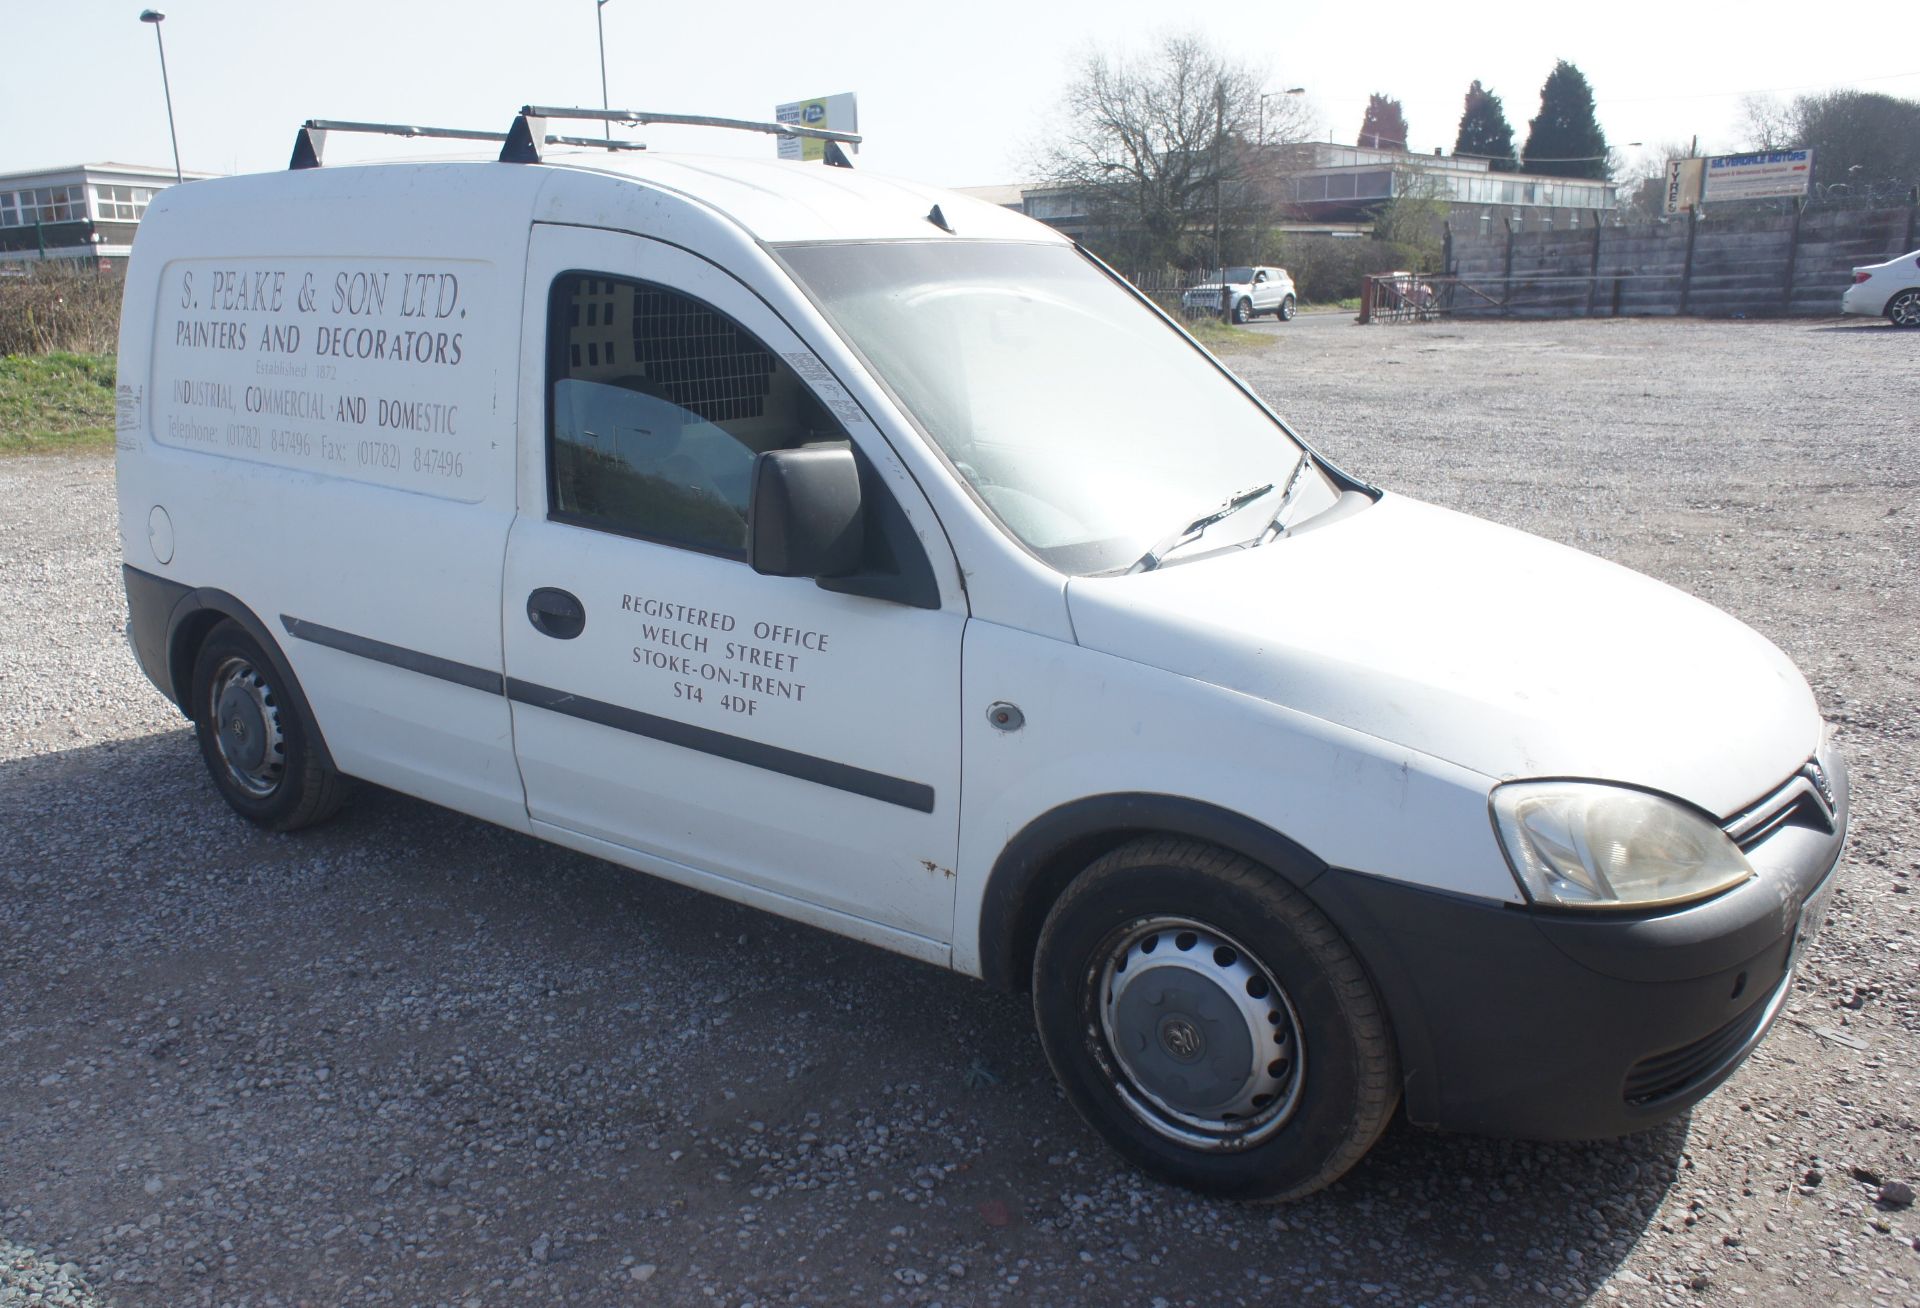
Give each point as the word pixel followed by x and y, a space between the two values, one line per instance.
pixel 1225 509
pixel 1286 497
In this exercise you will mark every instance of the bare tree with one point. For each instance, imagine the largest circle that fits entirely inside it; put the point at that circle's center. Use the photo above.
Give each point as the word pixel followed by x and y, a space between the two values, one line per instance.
pixel 1767 123
pixel 1865 145
pixel 1173 150
pixel 1414 219
pixel 1641 179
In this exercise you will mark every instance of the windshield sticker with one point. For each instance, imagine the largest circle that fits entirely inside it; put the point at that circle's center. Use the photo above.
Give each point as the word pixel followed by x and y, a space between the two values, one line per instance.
pixel 127 416
pixel 832 394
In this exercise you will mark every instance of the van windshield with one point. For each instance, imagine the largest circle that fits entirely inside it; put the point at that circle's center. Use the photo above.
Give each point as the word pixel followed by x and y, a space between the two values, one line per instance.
pixel 1087 425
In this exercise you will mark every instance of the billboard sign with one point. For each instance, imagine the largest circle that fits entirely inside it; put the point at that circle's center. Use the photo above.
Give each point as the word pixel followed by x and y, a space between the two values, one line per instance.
pixel 836 113
pixel 1759 176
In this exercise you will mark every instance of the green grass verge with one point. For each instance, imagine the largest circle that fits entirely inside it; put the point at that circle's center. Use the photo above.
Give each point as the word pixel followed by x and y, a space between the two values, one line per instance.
pixel 58 401
pixel 1220 337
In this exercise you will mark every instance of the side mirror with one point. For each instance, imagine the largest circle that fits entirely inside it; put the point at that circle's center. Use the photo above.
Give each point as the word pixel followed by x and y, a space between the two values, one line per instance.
pixel 806 515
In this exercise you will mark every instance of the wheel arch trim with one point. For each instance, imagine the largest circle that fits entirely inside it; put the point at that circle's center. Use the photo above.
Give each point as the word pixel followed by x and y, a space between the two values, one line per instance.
pixel 194 615
pixel 1046 854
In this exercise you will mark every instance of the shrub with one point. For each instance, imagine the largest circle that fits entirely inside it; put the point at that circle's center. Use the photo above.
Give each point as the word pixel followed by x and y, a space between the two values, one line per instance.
pixel 1326 269
pixel 59 307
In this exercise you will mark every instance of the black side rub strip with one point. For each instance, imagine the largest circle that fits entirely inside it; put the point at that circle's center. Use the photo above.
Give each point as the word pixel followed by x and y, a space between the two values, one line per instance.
pixel 432 665
pixel 807 767
pixel 771 758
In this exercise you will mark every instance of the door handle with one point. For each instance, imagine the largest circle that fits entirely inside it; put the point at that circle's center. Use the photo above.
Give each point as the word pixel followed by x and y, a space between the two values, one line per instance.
pixel 554 612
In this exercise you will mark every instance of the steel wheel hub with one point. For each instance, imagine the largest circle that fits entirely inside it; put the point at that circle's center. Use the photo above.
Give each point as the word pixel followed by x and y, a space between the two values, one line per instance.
pixel 1906 310
pixel 246 728
pixel 1205 1044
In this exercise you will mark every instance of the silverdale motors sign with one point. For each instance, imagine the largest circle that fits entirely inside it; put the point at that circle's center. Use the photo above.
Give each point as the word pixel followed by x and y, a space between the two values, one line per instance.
pixel 1759 176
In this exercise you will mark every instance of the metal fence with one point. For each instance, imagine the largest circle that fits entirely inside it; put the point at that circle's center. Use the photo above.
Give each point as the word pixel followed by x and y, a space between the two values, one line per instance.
pixel 1165 285
pixel 1792 262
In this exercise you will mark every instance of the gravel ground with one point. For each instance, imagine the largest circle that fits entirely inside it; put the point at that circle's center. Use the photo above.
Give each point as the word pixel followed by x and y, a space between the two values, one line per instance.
pixel 409 1058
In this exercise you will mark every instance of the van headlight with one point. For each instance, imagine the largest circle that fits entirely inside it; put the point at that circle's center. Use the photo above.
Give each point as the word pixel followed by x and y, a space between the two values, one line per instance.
pixel 1579 844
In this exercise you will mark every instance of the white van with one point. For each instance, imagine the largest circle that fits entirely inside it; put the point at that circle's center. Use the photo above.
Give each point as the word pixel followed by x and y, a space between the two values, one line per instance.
pixel 878 558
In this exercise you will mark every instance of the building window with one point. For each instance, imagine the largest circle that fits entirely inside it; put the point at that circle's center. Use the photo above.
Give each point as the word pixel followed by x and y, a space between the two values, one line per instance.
pixel 49 204
pixel 121 204
pixel 9 208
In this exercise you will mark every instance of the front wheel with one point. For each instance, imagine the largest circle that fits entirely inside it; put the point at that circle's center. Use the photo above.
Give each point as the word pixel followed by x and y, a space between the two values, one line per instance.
pixel 253 740
pixel 1211 1024
pixel 1903 310
pixel 1285 311
pixel 1242 310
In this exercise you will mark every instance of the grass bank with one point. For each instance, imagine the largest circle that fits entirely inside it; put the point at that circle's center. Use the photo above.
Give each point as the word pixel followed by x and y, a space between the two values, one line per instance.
pixel 56 401
pixel 1220 337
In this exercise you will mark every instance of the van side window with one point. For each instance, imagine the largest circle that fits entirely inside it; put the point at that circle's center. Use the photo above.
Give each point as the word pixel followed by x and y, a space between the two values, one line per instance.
pixel 657 406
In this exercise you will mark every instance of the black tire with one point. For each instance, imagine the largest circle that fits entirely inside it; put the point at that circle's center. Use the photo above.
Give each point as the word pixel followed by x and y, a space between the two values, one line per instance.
pixel 1285 312
pixel 1903 310
pixel 1242 310
pixel 255 744
pixel 1335 1083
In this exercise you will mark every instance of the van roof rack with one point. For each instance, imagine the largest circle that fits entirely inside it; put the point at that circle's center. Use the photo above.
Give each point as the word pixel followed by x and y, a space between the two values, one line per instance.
pixel 523 145
pixel 309 145
pixel 526 140
pixel 638 117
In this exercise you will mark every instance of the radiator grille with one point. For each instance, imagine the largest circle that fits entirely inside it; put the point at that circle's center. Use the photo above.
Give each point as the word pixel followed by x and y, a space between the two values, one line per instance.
pixel 1800 801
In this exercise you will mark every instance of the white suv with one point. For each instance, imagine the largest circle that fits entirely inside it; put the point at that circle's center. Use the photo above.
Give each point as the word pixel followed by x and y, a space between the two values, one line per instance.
pixel 1249 292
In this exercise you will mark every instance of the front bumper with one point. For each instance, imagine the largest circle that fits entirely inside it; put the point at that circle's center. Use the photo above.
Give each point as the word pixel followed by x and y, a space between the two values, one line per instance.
pixel 1517 1022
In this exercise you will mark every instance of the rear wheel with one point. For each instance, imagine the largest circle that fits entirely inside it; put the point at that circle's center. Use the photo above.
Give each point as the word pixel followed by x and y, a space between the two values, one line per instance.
pixel 1242 310
pixel 255 745
pixel 1211 1024
pixel 1285 312
pixel 1903 310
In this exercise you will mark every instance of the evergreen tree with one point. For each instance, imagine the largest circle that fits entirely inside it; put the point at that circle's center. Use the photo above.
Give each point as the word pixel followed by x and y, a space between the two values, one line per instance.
pixel 1566 140
pixel 1385 126
pixel 1484 130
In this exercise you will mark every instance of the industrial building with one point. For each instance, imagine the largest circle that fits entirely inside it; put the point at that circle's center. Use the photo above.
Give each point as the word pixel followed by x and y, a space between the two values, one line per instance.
pixel 1322 187
pixel 86 212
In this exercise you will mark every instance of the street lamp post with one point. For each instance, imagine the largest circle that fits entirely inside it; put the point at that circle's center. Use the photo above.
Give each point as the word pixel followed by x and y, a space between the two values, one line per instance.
pixel 601 24
pixel 155 17
pixel 1274 95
